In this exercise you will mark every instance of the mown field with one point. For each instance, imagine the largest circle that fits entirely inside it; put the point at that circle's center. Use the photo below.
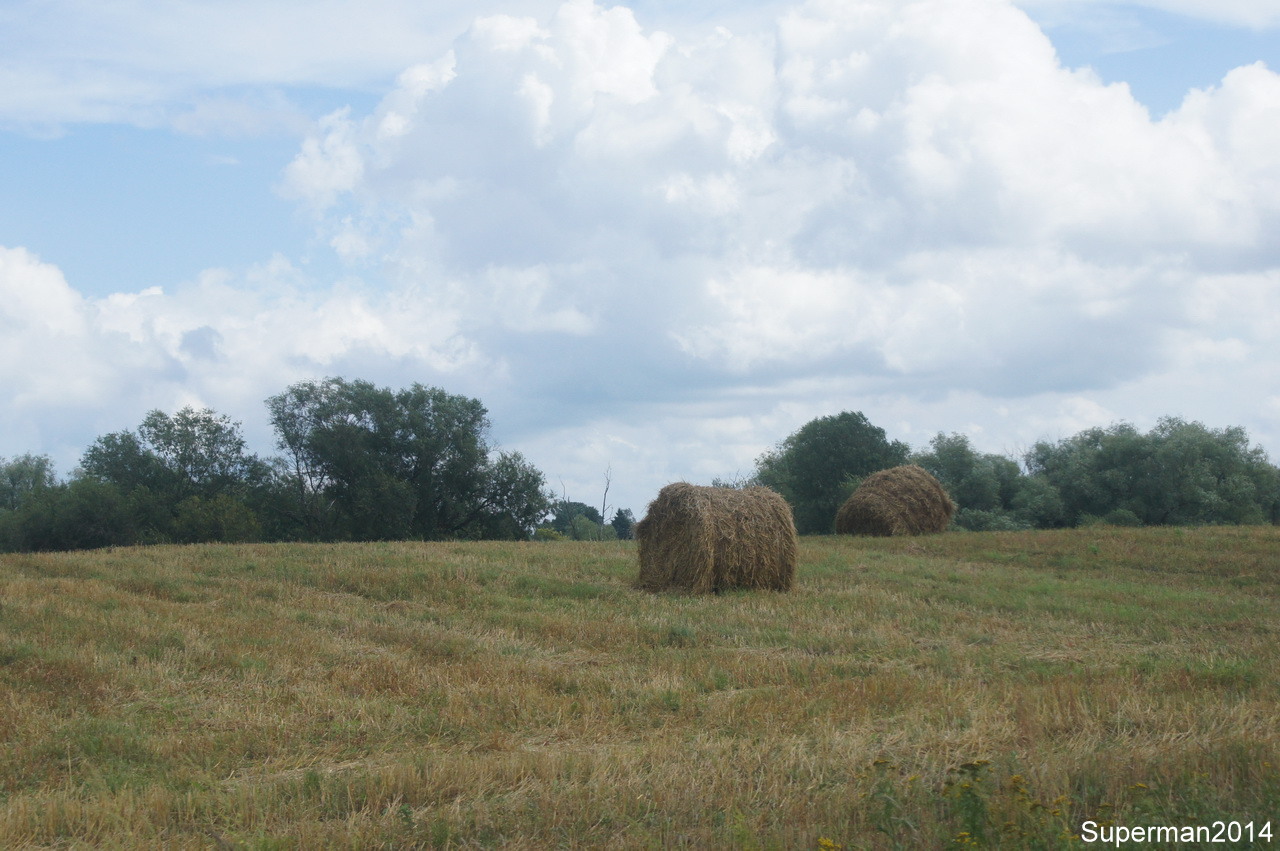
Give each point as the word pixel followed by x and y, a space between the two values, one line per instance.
pixel 991 690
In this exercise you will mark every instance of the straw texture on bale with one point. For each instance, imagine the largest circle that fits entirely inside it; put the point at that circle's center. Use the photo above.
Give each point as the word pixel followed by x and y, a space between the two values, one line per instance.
pixel 898 501
pixel 705 540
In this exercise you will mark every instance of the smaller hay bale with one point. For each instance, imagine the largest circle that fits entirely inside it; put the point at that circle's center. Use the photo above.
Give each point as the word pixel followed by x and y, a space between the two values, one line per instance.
pixel 705 540
pixel 903 500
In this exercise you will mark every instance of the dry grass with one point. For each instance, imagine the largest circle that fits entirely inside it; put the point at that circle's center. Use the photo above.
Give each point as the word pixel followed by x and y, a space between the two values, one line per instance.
pixel 706 540
pixel 908 693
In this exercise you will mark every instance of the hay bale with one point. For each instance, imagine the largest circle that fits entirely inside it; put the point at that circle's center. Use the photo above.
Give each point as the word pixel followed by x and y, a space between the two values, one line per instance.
pixel 705 540
pixel 898 501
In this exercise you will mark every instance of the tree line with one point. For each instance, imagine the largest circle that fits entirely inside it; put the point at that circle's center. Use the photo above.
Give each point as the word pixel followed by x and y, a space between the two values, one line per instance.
pixel 1178 473
pixel 361 462
pixel 358 462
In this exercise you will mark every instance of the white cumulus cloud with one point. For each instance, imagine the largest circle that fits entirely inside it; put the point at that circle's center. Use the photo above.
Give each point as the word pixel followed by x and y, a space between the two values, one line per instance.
pixel 666 249
pixel 863 189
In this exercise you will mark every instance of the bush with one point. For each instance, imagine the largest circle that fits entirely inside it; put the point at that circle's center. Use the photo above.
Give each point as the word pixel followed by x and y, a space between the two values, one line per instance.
pixel 85 514
pixel 584 529
pixel 221 518
pixel 1122 517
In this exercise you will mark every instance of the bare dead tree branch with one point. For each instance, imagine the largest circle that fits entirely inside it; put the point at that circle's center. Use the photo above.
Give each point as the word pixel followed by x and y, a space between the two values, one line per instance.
pixel 604 500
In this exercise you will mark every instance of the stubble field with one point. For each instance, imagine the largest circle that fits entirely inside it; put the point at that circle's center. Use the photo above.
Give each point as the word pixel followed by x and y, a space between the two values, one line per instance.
pixel 985 689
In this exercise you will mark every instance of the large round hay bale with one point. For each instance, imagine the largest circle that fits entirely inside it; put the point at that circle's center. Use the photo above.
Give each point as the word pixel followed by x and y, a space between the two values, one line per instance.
pixel 898 501
pixel 705 540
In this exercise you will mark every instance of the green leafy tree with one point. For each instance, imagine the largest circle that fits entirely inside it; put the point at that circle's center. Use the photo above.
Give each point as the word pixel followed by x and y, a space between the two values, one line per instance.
pixel 301 503
pixel 22 476
pixel 341 470
pixel 81 514
pixel 516 500
pixel 367 462
pixel 1038 503
pixel 1178 473
pixel 565 514
pixel 203 452
pixel 1201 475
pixel 585 529
pixel 818 466
pixel 219 518
pixel 623 524
pixel 984 486
pixel 192 453
pixel 124 460
pixel 169 460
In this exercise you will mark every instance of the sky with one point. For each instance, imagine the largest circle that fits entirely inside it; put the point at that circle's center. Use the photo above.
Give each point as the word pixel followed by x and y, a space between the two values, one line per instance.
pixel 654 239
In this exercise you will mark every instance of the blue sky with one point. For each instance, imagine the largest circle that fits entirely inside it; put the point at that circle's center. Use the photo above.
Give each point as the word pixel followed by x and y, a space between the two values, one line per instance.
pixel 1158 54
pixel 654 238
